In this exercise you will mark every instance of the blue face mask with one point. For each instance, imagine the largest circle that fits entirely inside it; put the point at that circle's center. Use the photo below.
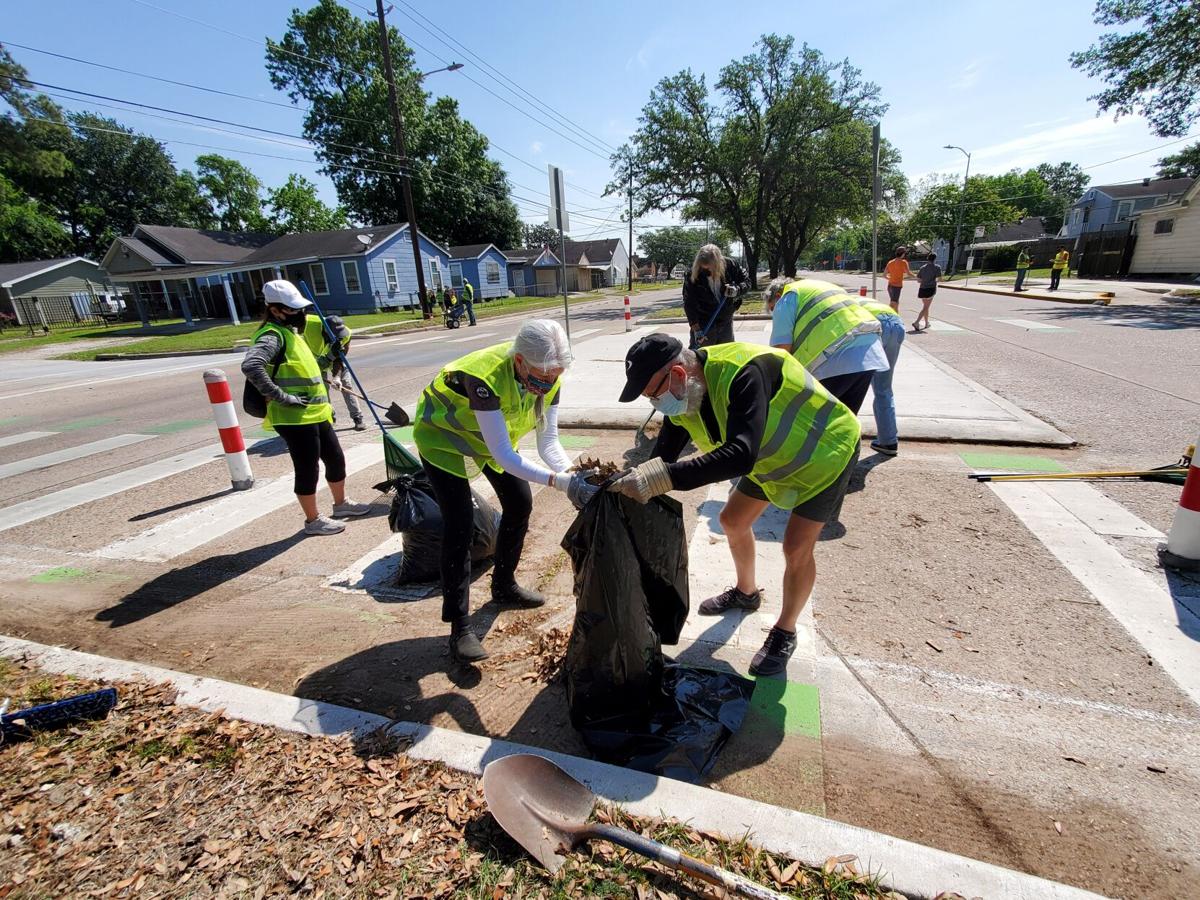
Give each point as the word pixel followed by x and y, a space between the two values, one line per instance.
pixel 537 385
pixel 668 404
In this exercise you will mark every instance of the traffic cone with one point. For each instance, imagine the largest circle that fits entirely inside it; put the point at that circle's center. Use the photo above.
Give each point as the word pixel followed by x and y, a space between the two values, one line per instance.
pixel 1182 549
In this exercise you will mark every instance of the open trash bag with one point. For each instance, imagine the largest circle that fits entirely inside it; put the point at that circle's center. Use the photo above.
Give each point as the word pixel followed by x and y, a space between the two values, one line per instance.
pixel 415 514
pixel 632 707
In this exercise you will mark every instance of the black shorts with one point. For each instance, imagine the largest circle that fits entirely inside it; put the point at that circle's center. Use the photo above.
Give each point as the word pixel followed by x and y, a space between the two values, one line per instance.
pixel 894 292
pixel 925 293
pixel 824 504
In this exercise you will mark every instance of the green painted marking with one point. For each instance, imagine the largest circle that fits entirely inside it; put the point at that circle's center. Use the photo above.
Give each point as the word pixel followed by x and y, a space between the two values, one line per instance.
pixel 78 424
pixel 258 432
pixel 1014 462
pixel 575 442
pixel 795 708
pixel 17 420
pixel 61 573
pixel 403 435
pixel 174 427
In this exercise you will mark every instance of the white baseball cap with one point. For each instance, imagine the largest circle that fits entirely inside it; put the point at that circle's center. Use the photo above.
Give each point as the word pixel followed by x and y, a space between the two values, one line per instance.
pixel 283 293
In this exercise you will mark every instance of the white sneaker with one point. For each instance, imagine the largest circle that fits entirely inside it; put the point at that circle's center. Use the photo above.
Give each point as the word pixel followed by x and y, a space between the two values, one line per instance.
pixel 350 508
pixel 323 525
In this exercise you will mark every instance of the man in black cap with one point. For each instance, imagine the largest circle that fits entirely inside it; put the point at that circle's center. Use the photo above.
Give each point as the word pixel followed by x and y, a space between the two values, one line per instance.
pixel 758 416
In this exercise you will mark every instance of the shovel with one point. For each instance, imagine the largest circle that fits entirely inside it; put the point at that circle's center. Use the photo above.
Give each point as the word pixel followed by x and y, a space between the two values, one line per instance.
pixel 546 811
pixel 394 413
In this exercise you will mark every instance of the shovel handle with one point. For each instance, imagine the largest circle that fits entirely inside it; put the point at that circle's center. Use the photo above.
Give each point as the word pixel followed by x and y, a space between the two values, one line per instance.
pixel 668 856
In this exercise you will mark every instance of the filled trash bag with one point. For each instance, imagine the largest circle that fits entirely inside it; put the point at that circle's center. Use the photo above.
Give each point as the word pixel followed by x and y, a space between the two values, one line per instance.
pixel 415 514
pixel 631 596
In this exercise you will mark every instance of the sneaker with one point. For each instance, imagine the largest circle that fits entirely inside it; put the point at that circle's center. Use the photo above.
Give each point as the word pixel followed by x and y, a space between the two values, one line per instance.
pixel 465 645
pixel 323 525
pixel 732 598
pixel 776 650
pixel 885 449
pixel 350 508
pixel 360 425
pixel 515 595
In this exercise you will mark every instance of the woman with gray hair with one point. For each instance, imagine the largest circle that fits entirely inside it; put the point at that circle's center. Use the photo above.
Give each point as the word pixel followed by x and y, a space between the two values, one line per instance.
pixel 712 291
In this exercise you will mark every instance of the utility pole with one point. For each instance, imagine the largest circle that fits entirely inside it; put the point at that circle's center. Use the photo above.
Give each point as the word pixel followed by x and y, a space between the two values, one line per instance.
pixel 961 203
pixel 630 287
pixel 875 192
pixel 402 152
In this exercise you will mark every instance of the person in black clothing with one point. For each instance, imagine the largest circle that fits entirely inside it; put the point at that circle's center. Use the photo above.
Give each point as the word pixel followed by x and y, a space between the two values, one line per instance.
pixel 712 292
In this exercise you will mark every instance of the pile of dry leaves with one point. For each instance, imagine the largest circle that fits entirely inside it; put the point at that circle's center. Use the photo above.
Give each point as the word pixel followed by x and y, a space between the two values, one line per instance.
pixel 605 470
pixel 161 800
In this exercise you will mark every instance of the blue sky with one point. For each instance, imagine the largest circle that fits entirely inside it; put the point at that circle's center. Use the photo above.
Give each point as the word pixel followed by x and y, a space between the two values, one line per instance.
pixel 992 78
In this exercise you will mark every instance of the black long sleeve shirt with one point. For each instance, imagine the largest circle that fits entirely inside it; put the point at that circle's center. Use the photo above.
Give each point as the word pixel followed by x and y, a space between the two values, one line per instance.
pixel 700 303
pixel 746 420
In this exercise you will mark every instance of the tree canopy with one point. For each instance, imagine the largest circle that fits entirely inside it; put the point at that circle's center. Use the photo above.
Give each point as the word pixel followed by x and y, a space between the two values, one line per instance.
pixel 675 244
pixel 295 207
pixel 233 192
pixel 1184 164
pixel 543 234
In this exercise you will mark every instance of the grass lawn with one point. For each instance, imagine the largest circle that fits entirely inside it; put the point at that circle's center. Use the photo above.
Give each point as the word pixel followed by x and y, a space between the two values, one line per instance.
pixel 1010 275
pixel 754 304
pixel 15 338
pixel 640 286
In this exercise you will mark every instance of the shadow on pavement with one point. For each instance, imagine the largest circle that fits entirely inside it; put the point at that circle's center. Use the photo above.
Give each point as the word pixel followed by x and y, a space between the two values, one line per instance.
pixel 1185 592
pixel 1156 317
pixel 175 507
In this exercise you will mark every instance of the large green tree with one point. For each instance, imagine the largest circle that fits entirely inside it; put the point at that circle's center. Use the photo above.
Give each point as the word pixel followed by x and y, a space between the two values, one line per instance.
pixel 543 234
pixel 27 230
pixel 233 192
pixel 675 244
pixel 1184 164
pixel 295 207
pixel 937 209
pixel 1153 70
pixel 330 60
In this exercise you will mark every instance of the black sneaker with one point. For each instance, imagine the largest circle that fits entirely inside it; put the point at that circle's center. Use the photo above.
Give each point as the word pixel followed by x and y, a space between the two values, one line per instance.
pixel 515 595
pixel 776 650
pixel 465 645
pixel 885 449
pixel 732 598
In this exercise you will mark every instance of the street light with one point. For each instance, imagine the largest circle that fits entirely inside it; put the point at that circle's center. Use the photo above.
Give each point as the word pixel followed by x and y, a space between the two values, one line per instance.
pixel 962 200
pixel 453 67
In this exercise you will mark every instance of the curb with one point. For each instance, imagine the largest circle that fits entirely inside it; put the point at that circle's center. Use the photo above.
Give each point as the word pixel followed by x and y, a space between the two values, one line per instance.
pixel 912 869
pixel 1104 297
pixel 109 357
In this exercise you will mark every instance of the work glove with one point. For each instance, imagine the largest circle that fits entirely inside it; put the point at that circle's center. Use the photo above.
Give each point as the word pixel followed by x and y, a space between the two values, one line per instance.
pixel 575 486
pixel 731 291
pixel 644 482
pixel 294 400
pixel 335 383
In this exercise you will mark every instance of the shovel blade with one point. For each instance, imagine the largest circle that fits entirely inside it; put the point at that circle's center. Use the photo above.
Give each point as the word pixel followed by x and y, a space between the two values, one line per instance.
pixel 541 807
pixel 396 415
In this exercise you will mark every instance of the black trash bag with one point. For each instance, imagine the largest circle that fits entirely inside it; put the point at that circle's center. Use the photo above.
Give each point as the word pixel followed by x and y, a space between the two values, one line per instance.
pixel 415 514
pixel 631 596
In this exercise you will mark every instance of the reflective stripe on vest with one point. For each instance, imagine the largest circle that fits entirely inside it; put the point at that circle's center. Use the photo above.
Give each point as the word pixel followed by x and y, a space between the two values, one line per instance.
pixel 826 317
pixel 446 431
pixel 809 436
pixel 298 374
pixel 879 310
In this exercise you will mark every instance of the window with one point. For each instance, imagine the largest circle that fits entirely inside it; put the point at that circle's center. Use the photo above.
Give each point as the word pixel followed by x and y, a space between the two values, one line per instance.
pixel 389 272
pixel 350 275
pixel 435 274
pixel 1087 213
pixel 316 271
pixel 1074 219
pixel 1124 208
pixel 1164 226
pixel 491 269
pixel 456 280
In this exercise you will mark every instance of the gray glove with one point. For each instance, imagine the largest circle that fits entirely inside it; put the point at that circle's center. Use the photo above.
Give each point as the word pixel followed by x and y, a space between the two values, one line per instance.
pixel 644 482
pixel 575 486
pixel 293 400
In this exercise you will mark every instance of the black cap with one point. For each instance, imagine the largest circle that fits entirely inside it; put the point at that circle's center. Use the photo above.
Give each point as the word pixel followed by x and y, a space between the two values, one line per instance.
pixel 645 358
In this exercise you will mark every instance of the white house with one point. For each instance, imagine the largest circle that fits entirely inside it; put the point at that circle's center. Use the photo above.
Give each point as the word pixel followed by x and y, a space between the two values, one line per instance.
pixel 1168 237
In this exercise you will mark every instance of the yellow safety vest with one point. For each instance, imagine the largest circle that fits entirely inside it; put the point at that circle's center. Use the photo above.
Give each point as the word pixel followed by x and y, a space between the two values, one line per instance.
pixel 809 438
pixel 826 319
pixel 446 431
pixel 1061 258
pixel 317 338
pixel 298 374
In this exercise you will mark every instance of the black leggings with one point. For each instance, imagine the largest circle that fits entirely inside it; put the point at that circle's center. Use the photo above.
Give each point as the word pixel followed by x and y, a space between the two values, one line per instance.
pixel 850 388
pixel 454 498
pixel 307 444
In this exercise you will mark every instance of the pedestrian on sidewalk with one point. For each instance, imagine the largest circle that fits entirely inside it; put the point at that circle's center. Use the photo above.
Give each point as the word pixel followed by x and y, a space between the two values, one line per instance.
pixel 887 436
pixel 429 303
pixel 1022 270
pixel 469 420
pixel 829 333
pixel 756 415
pixel 1061 264
pixel 712 292
pixel 896 271
pixel 468 299
pixel 928 277
pixel 280 365
pixel 321 340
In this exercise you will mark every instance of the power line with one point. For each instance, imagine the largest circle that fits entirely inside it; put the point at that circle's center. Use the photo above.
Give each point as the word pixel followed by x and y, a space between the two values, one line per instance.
pixel 1187 137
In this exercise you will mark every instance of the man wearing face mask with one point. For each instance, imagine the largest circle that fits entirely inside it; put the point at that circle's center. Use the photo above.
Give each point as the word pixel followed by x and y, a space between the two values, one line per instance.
pixel 470 420
pixel 756 415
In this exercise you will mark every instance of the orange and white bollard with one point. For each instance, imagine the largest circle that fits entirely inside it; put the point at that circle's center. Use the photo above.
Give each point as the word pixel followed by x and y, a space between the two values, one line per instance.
pixel 1182 549
pixel 628 317
pixel 862 291
pixel 231 433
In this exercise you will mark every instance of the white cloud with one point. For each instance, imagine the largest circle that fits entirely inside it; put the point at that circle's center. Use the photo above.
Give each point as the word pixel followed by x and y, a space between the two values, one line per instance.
pixel 536 147
pixel 645 53
pixel 1088 142
pixel 970 76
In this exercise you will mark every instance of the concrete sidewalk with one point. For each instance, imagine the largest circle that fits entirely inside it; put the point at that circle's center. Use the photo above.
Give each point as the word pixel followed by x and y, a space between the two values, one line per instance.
pixel 933 401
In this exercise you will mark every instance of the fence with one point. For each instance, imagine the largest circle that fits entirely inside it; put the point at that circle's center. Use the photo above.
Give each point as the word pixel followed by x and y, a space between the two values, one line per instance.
pixel 1106 253
pixel 47 313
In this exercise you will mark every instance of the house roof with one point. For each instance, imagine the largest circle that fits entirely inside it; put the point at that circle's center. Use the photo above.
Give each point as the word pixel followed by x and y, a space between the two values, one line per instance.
pixel 11 273
pixel 1029 228
pixel 470 251
pixel 597 252
pixel 194 245
pixel 528 256
pixel 321 244
pixel 1156 187
pixel 144 250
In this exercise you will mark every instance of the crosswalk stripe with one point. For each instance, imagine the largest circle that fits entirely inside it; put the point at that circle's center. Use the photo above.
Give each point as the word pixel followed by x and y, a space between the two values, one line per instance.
pixel 46 460
pixel 576 335
pixel 471 337
pixel 938 325
pixel 1031 325
pixel 9 440
pixel 200 526
pixel 68 498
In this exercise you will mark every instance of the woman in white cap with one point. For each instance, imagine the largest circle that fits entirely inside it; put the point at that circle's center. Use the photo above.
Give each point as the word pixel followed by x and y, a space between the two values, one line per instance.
pixel 470 419
pixel 280 365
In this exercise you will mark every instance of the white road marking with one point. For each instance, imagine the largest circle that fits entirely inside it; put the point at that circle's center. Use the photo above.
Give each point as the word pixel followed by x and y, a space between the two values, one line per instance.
pixel 471 337
pixel 1143 609
pixel 959 306
pixel 46 460
pixel 576 335
pixel 24 436
pixel 1030 324
pixel 217 519
pixel 69 498
pixel 1097 511
pixel 95 381
pixel 939 325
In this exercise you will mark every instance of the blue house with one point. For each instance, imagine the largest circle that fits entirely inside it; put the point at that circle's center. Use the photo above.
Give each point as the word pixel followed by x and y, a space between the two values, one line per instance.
pixel 353 270
pixel 1107 205
pixel 534 272
pixel 482 265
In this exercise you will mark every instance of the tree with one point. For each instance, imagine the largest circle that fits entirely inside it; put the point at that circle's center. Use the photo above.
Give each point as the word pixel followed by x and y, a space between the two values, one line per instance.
pixel 233 192
pixel 676 244
pixel 1155 70
pixel 1065 184
pixel 1184 164
pixel 27 231
pixel 543 234
pixel 732 157
pixel 23 150
pixel 296 207
pixel 936 212
pixel 330 59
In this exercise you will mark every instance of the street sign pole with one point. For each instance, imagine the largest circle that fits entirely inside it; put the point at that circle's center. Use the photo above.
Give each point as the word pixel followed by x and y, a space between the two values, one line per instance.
pixel 875 192
pixel 558 215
